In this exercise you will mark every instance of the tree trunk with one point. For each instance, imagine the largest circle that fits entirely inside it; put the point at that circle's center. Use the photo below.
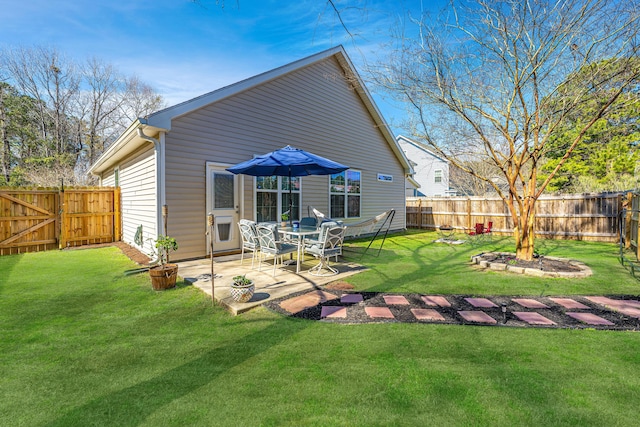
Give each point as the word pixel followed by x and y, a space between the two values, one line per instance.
pixel 524 234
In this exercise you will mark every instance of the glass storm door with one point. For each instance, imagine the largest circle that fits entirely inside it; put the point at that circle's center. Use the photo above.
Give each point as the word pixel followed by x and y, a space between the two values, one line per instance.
pixel 222 201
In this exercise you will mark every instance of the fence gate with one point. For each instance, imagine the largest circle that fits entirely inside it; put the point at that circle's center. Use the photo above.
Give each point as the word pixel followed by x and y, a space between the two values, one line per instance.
pixel 39 220
pixel 28 221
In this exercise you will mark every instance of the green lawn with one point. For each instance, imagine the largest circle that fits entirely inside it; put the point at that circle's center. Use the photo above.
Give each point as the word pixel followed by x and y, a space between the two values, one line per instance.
pixel 81 344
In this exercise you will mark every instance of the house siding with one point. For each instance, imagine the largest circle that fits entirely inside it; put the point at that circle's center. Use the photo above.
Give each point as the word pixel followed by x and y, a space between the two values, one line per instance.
pixel 312 108
pixel 138 197
pixel 426 165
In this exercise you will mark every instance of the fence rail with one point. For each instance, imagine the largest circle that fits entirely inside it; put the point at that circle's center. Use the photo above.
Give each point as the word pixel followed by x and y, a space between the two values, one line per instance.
pixel 44 219
pixel 578 216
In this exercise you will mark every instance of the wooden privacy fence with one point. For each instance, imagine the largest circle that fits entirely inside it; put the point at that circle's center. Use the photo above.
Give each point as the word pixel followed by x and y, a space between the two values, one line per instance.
pixel 631 225
pixel 37 220
pixel 576 216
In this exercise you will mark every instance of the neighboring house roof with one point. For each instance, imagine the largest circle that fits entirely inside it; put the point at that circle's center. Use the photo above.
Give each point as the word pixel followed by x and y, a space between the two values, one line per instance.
pixel 402 138
pixel 159 121
pixel 413 182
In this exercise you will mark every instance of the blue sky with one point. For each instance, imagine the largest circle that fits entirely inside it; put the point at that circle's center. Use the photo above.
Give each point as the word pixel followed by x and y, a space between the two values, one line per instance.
pixel 184 49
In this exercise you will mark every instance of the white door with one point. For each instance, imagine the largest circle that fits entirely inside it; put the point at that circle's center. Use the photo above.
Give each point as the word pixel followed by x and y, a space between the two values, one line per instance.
pixel 222 201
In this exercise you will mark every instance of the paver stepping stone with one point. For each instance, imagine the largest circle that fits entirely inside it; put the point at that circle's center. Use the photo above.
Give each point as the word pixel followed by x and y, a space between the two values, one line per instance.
pixel 628 307
pixel 480 302
pixel 533 318
pixel 351 298
pixel 434 301
pixel 615 302
pixel 304 301
pixel 529 303
pixel 590 319
pixel 427 314
pixel 333 312
pixel 601 300
pixel 570 303
pixel 395 299
pixel 383 312
pixel 477 317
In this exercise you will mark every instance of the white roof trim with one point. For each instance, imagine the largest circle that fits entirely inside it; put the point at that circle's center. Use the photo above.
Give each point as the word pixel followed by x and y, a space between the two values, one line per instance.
pixel 161 120
pixel 126 143
pixel 421 147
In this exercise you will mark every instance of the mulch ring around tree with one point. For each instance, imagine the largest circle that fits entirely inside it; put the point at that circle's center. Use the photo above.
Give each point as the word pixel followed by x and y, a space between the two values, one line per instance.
pixel 574 312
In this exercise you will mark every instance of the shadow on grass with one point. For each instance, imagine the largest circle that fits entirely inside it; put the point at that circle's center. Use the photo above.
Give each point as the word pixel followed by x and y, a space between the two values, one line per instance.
pixel 132 405
pixel 7 264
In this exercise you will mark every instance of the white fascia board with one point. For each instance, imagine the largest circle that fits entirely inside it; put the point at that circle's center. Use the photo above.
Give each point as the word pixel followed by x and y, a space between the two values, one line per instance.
pixel 126 143
pixel 413 182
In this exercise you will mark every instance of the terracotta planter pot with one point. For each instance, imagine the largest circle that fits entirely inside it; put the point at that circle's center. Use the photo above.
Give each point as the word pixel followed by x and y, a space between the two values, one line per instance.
pixel 242 293
pixel 163 277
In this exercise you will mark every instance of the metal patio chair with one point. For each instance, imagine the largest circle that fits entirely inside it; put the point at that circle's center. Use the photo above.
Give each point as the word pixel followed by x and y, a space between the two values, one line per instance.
pixel 270 244
pixel 250 240
pixel 330 245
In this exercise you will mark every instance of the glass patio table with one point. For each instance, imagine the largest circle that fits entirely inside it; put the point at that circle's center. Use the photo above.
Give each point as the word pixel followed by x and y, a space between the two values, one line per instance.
pixel 299 234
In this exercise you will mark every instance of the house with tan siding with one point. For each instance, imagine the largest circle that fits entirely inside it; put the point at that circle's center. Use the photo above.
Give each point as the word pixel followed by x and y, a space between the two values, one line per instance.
pixel 177 157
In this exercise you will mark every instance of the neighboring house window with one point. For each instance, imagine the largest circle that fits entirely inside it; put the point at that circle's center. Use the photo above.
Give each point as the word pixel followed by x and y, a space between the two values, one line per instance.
pixel 116 177
pixel 438 175
pixel 272 197
pixel 344 194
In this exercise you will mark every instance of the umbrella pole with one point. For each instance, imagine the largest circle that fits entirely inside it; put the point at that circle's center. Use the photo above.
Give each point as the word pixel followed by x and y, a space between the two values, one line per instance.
pixel 290 201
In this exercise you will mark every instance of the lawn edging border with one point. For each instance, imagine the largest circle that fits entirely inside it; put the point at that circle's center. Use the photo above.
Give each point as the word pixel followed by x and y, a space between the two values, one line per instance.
pixel 585 271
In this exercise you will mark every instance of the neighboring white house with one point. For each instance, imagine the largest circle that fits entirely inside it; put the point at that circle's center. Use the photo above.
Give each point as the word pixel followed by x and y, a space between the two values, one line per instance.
pixel 431 172
pixel 178 156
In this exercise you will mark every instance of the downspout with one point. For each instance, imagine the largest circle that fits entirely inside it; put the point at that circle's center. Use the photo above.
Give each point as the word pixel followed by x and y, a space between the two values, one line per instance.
pixel 160 194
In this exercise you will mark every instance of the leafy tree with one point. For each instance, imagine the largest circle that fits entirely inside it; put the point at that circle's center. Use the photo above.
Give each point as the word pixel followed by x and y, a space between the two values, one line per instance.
pixel 497 79
pixel 608 156
pixel 18 132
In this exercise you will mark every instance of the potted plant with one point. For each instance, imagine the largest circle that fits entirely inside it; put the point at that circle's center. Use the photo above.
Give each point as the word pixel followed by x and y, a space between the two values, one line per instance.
pixel 242 288
pixel 285 218
pixel 164 276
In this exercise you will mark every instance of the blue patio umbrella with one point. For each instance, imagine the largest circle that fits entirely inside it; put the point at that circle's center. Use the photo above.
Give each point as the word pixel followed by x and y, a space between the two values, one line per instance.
pixel 288 161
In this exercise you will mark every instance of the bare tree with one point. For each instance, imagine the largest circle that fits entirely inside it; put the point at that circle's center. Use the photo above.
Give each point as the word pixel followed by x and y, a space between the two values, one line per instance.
pixel 46 75
pixel 79 109
pixel 494 77
pixel 467 184
pixel 139 100
pixel 99 105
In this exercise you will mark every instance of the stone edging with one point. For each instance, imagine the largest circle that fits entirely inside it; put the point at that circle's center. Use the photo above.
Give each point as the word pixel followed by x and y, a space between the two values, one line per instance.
pixel 498 266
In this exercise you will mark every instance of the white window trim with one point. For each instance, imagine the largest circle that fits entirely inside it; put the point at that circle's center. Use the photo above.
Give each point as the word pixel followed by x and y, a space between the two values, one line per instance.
pixel 435 176
pixel 346 203
pixel 279 198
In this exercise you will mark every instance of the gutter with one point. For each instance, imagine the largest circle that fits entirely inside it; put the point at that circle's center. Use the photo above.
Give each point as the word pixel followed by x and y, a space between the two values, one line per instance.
pixel 160 184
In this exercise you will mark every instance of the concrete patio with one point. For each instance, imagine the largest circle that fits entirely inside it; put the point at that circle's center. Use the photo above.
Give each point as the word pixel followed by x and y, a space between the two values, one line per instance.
pixel 268 287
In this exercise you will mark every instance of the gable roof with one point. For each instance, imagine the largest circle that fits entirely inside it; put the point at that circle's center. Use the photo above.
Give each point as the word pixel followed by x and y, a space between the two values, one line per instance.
pixel 404 139
pixel 161 120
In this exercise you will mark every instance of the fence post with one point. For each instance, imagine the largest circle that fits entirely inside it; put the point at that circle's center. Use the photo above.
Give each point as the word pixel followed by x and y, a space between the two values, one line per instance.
pixel 117 216
pixel 628 205
pixel 469 213
pixel 62 240
pixel 419 214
